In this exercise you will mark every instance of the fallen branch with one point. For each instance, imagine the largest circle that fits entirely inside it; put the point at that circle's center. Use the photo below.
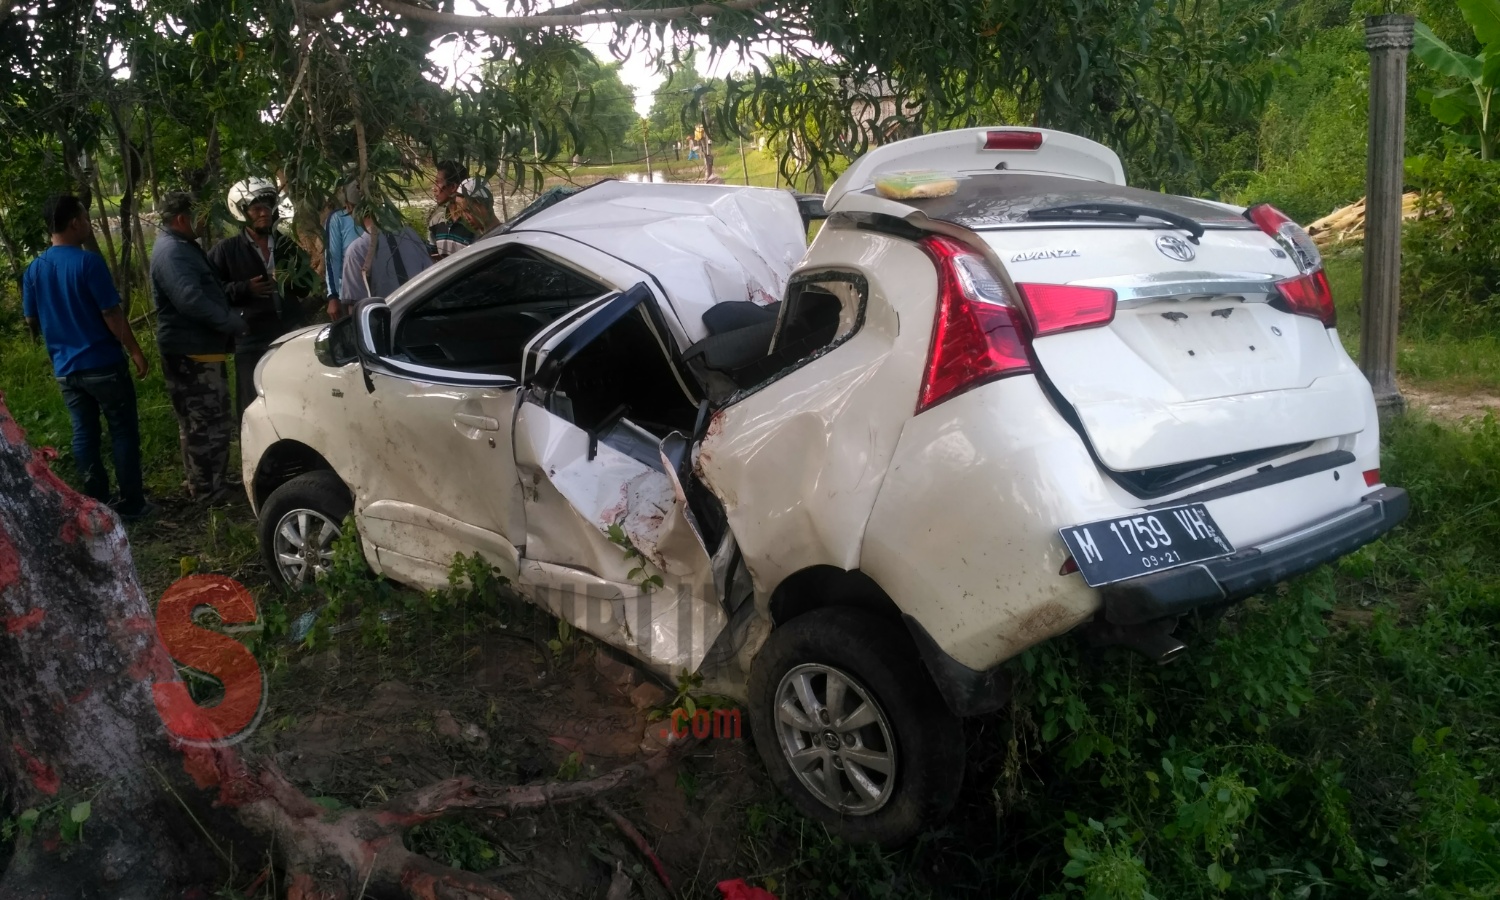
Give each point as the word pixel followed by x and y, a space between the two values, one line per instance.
pixel 455 794
pixel 639 840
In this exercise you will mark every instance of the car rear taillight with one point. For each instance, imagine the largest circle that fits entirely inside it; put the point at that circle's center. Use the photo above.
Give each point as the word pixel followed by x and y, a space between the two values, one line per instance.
pixel 979 335
pixel 1013 140
pixel 1066 307
pixel 1307 295
pixel 1293 239
pixel 1372 477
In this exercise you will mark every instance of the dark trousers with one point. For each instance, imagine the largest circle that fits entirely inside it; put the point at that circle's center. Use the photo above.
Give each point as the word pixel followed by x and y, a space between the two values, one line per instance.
pixel 200 398
pixel 107 391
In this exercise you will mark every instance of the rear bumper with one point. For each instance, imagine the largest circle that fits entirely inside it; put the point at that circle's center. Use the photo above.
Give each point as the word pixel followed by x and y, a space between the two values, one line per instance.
pixel 1254 569
pixel 1151 598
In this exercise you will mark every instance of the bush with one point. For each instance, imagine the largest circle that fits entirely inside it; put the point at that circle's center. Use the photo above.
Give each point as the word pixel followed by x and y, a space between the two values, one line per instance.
pixel 1450 272
pixel 1313 132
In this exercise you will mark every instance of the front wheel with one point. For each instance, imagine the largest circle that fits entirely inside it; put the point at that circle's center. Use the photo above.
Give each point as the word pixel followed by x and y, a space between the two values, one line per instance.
pixel 852 729
pixel 298 525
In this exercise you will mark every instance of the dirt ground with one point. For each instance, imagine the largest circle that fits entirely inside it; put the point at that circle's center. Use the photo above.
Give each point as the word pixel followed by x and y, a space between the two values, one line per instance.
pixel 354 725
pixel 1451 407
pixel 357 726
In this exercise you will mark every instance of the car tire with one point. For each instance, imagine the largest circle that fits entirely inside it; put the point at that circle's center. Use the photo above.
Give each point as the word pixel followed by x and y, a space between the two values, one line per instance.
pixel 907 727
pixel 311 506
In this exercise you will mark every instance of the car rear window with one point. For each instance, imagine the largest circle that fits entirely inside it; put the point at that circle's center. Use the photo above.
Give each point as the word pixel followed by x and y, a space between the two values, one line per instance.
pixel 1005 198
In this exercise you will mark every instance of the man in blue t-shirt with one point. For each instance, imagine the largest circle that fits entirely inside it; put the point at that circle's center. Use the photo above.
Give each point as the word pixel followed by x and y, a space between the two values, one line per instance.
pixel 69 301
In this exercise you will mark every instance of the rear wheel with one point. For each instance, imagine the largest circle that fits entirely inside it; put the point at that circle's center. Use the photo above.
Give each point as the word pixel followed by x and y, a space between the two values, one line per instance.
pixel 851 727
pixel 298 525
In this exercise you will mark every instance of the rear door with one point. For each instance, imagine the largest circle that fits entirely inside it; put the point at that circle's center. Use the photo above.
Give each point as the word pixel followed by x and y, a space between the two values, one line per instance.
pixel 610 544
pixel 1196 364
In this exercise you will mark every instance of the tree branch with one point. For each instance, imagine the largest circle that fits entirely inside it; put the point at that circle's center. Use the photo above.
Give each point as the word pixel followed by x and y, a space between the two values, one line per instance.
pixel 444 797
pixel 457 22
pixel 327 9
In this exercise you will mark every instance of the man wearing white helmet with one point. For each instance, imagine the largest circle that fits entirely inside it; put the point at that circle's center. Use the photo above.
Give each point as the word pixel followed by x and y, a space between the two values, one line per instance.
pixel 465 209
pixel 266 275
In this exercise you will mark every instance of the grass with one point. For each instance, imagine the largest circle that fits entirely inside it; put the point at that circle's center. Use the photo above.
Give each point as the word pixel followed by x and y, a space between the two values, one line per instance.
pixel 757 169
pixel 1443 362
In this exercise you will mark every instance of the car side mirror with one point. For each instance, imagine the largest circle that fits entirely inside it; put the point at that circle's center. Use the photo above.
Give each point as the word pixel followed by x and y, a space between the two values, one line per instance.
pixel 372 323
pixel 335 344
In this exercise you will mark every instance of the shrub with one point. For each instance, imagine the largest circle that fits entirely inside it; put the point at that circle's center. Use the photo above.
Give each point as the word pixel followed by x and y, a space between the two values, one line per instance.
pixel 1450 272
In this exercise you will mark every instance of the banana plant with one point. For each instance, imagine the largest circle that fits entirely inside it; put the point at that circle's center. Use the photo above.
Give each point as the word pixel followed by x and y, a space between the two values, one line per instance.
pixel 1470 105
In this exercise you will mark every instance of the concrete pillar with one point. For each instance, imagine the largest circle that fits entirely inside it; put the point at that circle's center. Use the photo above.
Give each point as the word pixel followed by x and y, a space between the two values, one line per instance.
pixel 1389 39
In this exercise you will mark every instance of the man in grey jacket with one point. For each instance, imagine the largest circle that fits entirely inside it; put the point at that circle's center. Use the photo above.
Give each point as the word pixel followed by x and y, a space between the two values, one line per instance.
pixel 194 331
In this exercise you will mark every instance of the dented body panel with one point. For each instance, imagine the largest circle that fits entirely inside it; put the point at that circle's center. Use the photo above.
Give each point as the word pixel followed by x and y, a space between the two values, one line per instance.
pixel 703 244
pixel 799 462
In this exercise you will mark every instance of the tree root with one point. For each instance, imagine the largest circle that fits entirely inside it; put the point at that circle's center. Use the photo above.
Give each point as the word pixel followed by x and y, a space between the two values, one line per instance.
pixel 639 840
pixel 348 854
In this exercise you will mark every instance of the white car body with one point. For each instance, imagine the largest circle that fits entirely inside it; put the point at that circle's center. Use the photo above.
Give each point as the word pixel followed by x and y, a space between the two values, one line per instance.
pixel 833 488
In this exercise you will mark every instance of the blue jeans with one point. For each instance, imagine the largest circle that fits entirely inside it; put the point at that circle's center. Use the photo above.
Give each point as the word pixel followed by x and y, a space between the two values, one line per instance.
pixel 109 391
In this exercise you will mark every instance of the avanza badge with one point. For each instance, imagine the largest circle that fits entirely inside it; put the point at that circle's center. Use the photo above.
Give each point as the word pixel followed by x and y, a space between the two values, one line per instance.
pixel 1029 255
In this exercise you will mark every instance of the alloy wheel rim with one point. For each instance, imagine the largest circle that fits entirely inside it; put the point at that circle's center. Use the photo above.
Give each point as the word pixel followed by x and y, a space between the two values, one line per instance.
pixel 304 545
pixel 836 738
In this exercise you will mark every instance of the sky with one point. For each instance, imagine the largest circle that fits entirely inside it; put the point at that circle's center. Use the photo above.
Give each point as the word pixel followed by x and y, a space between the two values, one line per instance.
pixel 636 71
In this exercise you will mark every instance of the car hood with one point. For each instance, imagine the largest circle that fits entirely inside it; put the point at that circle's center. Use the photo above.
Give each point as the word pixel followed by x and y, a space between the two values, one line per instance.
pixel 703 244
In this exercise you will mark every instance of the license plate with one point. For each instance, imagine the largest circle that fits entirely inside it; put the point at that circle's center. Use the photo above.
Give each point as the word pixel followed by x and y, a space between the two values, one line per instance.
pixel 1116 549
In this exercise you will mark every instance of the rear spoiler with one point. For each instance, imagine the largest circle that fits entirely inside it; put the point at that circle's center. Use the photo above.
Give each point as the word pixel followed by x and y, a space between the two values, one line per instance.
pixel 1038 150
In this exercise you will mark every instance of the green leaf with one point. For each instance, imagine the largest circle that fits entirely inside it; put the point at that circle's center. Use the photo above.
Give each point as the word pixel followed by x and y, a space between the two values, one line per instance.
pixel 1484 17
pixel 27 820
pixel 1438 56
pixel 81 811
pixel 1454 106
pixel 1075 868
pixel 1490 77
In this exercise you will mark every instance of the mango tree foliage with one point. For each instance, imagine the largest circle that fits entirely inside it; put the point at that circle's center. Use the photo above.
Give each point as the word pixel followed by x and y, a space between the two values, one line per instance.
pixel 190 94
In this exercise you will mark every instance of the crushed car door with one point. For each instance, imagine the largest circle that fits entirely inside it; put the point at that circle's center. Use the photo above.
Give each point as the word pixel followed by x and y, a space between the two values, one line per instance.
pixel 599 442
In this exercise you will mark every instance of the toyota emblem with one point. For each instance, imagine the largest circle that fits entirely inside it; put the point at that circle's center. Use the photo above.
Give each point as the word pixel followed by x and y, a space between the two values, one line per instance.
pixel 1175 247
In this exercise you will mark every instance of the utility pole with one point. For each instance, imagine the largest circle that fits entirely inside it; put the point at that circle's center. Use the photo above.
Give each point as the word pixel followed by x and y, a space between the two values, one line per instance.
pixel 1388 38
pixel 646 145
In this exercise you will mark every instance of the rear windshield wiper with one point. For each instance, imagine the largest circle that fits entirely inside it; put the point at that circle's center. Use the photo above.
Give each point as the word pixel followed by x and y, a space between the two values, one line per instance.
pixel 1078 211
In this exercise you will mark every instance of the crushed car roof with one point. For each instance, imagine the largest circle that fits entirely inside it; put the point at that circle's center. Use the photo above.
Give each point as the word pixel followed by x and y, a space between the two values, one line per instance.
pixel 705 244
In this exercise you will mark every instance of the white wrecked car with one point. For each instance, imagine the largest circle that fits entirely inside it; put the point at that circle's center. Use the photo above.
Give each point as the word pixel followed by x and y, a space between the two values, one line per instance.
pixel 845 482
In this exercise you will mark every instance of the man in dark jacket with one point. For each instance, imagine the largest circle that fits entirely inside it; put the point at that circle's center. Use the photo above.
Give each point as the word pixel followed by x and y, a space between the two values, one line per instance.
pixel 267 276
pixel 194 331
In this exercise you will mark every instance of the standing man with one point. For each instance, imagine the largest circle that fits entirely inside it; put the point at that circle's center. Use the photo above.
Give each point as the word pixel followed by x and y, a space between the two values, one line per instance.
pixel 68 298
pixel 378 262
pixel 195 328
pixel 465 209
pixel 265 275
pixel 339 231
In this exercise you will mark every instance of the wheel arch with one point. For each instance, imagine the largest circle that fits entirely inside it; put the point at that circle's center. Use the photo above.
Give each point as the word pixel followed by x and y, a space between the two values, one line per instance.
pixel 822 586
pixel 283 461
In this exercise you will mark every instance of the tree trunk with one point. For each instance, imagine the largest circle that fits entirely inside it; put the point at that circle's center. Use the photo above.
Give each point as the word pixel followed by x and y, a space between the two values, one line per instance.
pixel 125 810
pixel 130 170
